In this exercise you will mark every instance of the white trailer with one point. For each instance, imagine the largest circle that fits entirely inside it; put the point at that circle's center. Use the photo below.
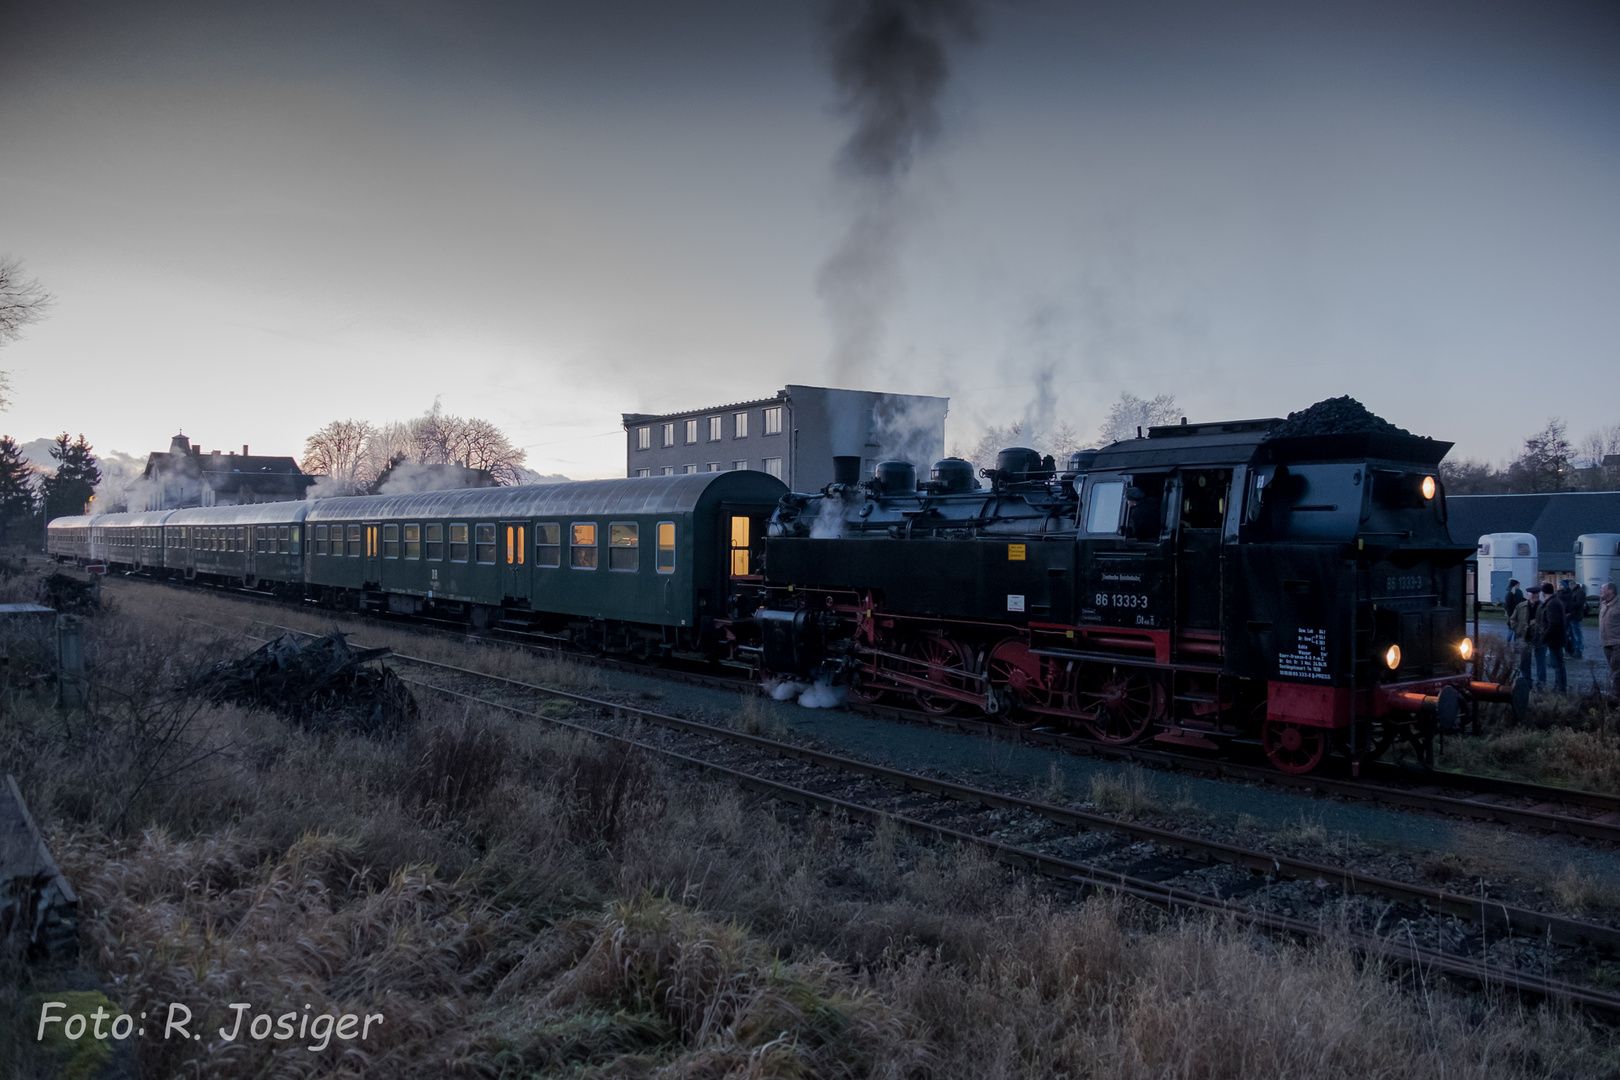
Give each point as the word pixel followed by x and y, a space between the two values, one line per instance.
pixel 1505 557
pixel 1597 560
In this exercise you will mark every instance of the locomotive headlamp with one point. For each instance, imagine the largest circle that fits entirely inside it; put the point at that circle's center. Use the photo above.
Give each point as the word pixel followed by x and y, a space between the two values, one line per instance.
pixel 1427 487
pixel 1392 657
pixel 1466 648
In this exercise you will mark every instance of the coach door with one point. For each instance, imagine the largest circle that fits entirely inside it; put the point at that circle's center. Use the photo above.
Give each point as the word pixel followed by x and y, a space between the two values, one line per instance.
pixel 514 559
pixel 373 552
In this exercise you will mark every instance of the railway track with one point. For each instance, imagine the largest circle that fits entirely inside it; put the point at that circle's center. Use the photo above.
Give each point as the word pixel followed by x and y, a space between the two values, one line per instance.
pixel 1520 804
pixel 1412 926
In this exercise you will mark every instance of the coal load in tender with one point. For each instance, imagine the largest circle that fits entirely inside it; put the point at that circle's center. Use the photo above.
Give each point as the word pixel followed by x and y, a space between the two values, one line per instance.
pixel 1334 416
pixel 323 685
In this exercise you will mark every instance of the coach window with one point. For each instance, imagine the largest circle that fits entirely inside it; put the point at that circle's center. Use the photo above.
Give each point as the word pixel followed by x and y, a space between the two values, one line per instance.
pixel 413 541
pixel 582 545
pixel 434 542
pixel 666 547
pixel 458 543
pixel 297 534
pixel 283 539
pixel 353 550
pixel 515 545
pixel 390 541
pixel 1105 502
pixel 484 535
pixel 547 544
pixel 624 547
pixel 321 547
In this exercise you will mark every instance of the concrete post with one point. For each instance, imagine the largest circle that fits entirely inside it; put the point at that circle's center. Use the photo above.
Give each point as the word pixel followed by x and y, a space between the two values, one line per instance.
pixel 70 680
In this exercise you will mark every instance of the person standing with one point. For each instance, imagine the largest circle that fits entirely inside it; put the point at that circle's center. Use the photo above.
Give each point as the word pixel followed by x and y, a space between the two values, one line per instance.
pixel 1577 612
pixel 1520 626
pixel 1550 622
pixel 1609 631
pixel 1510 603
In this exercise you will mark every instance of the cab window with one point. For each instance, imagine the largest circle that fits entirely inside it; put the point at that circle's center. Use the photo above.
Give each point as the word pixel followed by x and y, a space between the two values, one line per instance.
pixel 1104 502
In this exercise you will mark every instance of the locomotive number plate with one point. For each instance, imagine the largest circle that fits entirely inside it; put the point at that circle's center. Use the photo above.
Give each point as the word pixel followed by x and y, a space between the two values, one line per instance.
pixel 1015 552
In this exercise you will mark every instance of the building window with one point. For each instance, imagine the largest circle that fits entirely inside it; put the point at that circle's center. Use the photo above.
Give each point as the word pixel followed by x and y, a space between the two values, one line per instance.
pixel 714 466
pixel 669 434
pixel 548 545
pixel 737 465
pixel 413 541
pixel 624 552
pixel 742 425
pixel 644 438
pixel 582 545
pixel 390 541
pixel 691 431
pixel 714 429
pixel 484 542
pixel 669 470
pixel 643 472
pixel 666 547
pixel 458 543
pixel 773 465
pixel 434 541
pixel 773 420
pixel 354 542
pixel 689 469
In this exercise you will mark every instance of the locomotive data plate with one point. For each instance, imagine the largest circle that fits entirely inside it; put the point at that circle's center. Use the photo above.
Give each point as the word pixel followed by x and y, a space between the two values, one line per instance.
pixel 1125 588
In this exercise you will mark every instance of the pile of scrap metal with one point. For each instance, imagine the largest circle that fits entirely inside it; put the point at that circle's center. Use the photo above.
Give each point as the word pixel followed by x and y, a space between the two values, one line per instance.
pixel 322 685
pixel 39 912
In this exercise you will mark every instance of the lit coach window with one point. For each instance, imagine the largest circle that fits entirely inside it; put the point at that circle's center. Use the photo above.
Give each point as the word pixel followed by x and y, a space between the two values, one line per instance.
pixel 666 547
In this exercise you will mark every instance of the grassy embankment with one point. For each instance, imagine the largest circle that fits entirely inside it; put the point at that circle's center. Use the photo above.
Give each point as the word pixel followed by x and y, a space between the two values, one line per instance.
pixel 517 902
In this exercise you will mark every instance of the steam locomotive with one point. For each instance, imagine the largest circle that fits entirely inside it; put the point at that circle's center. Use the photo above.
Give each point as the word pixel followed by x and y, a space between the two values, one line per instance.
pixel 1202 584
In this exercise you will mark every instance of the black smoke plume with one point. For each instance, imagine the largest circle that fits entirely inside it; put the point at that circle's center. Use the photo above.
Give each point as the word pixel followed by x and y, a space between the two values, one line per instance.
pixel 890 60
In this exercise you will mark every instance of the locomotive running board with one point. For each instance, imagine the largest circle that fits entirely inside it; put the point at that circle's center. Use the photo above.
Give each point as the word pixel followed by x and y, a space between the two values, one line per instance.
pixel 1127 658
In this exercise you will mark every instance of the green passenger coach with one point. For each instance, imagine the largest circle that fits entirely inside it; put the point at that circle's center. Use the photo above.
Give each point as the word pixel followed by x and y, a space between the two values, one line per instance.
pixel 636 565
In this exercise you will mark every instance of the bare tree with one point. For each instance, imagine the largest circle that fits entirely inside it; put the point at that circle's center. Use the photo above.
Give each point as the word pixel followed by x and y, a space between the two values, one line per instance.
pixel 1131 412
pixel 1600 452
pixel 340 451
pixel 439 438
pixel 23 300
pixel 1545 464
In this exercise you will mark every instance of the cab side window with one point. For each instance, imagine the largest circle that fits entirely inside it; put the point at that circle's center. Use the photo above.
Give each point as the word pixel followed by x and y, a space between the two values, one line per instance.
pixel 1104 501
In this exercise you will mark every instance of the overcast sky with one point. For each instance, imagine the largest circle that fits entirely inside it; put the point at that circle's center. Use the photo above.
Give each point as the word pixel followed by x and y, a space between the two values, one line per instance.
pixel 260 217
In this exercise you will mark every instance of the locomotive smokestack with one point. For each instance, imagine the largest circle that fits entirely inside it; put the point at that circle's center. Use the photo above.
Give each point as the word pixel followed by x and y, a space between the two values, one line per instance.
pixel 846 469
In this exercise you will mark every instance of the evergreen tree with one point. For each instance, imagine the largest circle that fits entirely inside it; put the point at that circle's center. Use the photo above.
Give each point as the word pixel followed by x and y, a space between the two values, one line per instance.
pixel 16 486
pixel 68 491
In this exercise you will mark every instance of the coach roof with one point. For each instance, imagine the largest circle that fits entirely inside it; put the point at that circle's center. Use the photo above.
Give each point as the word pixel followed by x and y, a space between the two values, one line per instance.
pixel 583 498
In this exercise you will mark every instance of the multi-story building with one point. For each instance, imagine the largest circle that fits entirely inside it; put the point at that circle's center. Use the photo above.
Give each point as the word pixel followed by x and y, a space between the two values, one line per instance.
pixel 793 435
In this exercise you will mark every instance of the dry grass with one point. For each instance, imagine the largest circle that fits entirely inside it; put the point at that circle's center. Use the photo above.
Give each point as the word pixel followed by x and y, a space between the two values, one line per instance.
pixel 520 902
pixel 1125 794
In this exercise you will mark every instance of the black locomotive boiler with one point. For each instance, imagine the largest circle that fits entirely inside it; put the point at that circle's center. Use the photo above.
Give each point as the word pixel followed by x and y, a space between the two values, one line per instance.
pixel 1205 583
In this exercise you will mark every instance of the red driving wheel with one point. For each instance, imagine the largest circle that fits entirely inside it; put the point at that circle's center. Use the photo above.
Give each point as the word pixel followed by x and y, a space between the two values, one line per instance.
pixel 941 661
pixel 1293 748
